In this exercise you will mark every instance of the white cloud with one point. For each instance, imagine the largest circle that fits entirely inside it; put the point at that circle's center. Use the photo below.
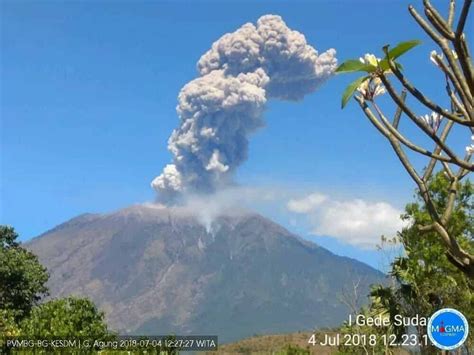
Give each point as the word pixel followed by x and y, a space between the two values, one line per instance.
pixel 357 222
pixel 354 221
pixel 306 204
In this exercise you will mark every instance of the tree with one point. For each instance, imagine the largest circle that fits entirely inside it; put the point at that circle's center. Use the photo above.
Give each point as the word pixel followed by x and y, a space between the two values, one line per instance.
pixel 65 318
pixel 366 339
pixel 8 326
pixel 457 76
pixel 425 280
pixel 22 278
pixel 22 287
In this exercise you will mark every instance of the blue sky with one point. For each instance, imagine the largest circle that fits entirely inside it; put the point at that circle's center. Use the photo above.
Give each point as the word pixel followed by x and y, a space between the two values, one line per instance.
pixel 88 97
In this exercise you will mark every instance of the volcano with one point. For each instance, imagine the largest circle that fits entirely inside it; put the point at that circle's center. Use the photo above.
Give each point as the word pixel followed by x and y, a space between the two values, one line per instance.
pixel 156 270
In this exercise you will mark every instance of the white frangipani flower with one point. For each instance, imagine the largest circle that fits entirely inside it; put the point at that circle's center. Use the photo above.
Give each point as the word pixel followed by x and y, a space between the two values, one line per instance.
pixel 439 56
pixel 371 88
pixel 379 88
pixel 370 59
pixel 364 88
pixel 470 148
pixel 433 120
pixel 433 56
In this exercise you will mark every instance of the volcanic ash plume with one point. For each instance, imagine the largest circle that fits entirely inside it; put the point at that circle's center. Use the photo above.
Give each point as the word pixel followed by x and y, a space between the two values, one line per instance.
pixel 224 105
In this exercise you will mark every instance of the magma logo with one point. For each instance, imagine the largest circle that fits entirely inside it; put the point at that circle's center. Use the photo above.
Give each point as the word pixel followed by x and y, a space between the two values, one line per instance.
pixel 448 329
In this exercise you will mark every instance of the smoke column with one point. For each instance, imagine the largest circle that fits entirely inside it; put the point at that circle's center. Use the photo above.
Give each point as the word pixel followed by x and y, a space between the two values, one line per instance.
pixel 224 105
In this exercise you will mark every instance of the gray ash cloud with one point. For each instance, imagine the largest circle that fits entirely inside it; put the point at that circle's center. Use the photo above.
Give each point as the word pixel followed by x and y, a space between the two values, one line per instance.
pixel 222 107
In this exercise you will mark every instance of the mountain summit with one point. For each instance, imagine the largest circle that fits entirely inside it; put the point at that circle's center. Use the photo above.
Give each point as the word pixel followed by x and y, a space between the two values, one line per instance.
pixel 157 271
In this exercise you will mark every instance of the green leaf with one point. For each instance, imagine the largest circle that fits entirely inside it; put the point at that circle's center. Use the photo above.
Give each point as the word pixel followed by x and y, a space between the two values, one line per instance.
pixel 354 65
pixel 402 48
pixel 351 88
pixel 383 64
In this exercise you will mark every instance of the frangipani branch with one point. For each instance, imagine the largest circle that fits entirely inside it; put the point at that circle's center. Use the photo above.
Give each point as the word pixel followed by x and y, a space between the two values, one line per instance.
pixel 427 130
pixel 424 100
pixel 457 255
pixel 456 65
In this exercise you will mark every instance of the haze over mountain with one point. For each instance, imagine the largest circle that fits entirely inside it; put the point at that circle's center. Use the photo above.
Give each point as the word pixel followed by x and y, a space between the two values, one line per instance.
pixel 157 270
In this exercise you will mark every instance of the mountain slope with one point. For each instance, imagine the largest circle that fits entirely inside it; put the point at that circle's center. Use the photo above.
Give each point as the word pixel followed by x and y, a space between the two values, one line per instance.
pixel 158 271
